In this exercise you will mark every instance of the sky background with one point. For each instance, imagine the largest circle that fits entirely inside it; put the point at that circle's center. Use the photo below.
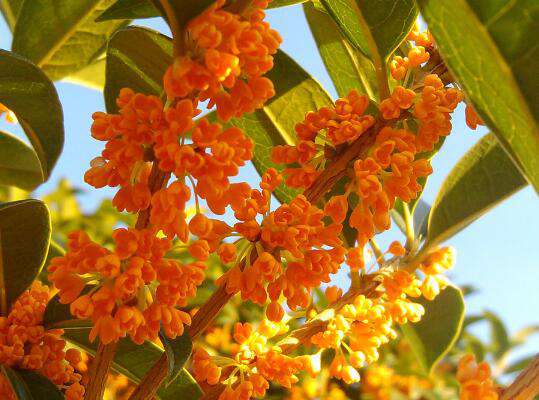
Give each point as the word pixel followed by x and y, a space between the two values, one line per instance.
pixel 498 254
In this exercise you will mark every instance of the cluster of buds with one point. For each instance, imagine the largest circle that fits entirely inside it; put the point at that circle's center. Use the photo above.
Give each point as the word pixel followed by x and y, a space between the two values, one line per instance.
pixel 230 54
pixel 475 380
pixel 27 345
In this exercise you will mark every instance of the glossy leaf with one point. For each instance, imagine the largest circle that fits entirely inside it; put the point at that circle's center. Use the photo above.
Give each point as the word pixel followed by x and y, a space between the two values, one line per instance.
pixel 499 336
pixel 29 385
pixel 486 45
pixel 178 352
pixel 10 9
pixel 19 165
pixel 130 9
pixel 25 232
pixel 138 9
pixel 136 58
pixel 387 22
pixel 26 90
pixel 482 178
pixel 62 37
pixel 92 76
pixel 348 68
pixel 131 360
pixel 296 94
pixel 433 336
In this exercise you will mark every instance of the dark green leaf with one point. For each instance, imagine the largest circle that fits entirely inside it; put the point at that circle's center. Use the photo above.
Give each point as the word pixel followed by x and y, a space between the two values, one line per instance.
pixel 62 37
pixel 481 179
pixel 388 22
pixel 178 352
pixel 433 336
pixel 29 385
pixel 137 58
pixel 284 3
pixel 19 165
pixel 10 9
pixel 26 90
pixel 185 10
pixel 130 9
pixel 342 11
pixel 519 365
pixel 486 45
pixel 137 9
pixel 92 76
pixel 498 333
pixel 348 68
pixel 25 230
pixel 131 360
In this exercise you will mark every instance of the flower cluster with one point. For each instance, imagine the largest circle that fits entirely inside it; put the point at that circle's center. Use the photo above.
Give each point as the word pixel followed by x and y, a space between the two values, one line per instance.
pixel 381 382
pixel 433 266
pixel 475 380
pixel 254 363
pixel 26 344
pixel 136 289
pixel 296 252
pixel 417 55
pixel 230 53
pixel 342 123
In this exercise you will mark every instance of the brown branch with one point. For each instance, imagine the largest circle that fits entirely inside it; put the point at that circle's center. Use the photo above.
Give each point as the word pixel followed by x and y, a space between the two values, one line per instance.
pixel 105 353
pixel 99 371
pixel 526 385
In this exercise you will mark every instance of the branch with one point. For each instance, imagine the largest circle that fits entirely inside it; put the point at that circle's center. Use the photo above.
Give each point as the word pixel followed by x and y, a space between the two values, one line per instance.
pixel 105 353
pixel 526 385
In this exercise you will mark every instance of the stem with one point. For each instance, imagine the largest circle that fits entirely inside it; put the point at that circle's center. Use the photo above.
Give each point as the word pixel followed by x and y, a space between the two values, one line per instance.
pixel 105 353
pixel 408 220
pixel 175 27
pixel 526 385
pixel 99 371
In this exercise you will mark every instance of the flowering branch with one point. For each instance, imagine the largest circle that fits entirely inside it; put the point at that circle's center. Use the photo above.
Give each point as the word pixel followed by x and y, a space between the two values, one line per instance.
pixel 526 385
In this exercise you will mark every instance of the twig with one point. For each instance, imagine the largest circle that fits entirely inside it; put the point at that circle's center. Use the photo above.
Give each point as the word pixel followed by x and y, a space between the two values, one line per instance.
pixel 526 385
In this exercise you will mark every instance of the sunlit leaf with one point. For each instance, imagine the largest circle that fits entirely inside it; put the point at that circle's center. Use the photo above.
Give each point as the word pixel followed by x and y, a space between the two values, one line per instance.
pixel 433 336
pixel 24 241
pixel 25 90
pixel 10 9
pixel 499 335
pixel 178 352
pixel 19 165
pixel 519 365
pixel 62 37
pixel 348 68
pixel 137 58
pixel 92 76
pixel 482 178
pixel 29 385
pixel 486 46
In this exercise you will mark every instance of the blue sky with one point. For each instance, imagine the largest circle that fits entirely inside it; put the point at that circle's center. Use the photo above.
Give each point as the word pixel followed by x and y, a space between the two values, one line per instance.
pixel 498 254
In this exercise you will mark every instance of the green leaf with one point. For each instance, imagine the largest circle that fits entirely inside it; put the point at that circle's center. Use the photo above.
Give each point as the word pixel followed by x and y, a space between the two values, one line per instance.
pixel 348 68
pixel 138 9
pixel 184 10
pixel 25 231
pixel 486 46
pixel 130 9
pixel 62 37
pixel 482 178
pixel 500 343
pixel 29 385
pixel 420 217
pixel 178 352
pixel 26 90
pixel 19 165
pixel 433 336
pixel 519 365
pixel 92 76
pixel 10 9
pixel 137 58
pixel 131 360
pixel 296 94
pixel 388 22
